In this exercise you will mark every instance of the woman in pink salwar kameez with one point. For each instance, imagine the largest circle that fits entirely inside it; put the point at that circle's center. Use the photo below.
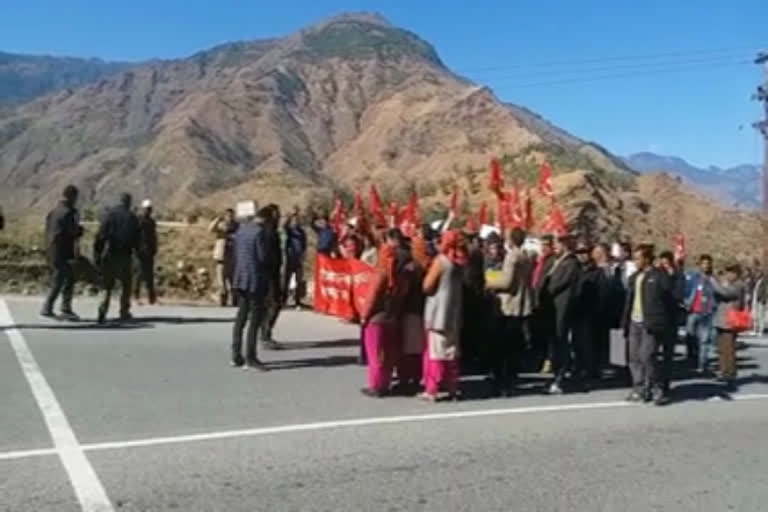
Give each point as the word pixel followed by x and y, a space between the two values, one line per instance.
pixel 380 331
pixel 442 318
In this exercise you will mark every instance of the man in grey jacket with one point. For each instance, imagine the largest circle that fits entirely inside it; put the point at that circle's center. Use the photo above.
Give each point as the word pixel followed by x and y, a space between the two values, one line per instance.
pixel 515 293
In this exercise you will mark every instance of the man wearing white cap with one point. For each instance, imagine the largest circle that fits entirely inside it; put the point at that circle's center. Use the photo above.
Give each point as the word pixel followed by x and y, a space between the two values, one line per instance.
pixel 146 252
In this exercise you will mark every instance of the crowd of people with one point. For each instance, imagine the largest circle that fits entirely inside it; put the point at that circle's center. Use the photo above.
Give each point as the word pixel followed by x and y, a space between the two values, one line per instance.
pixel 447 301
pixel 456 302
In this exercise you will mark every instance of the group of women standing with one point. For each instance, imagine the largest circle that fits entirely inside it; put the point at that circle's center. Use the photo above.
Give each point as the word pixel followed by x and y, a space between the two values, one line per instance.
pixel 412 326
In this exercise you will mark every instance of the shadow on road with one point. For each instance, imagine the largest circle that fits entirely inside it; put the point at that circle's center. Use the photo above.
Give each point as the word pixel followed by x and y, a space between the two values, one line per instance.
pixel 307 345
pixel 182 320
pixel 316 362
pixel 79 326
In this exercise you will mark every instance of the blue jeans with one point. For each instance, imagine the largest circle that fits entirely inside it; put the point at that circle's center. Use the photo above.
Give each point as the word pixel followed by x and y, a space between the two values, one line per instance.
pixel 699 326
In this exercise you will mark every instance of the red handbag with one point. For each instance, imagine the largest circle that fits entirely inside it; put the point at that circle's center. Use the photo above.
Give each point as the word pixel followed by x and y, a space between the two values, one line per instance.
pixel 738 320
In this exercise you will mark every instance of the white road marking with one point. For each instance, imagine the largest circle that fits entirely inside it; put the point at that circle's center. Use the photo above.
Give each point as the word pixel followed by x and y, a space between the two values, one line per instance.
pixel 88 489
pixel 24 454
pixel 363 422
pixel 340 424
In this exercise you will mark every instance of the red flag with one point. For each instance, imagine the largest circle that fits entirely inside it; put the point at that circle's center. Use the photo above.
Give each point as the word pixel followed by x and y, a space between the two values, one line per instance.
pixel 679 247
pixel 393 213
pixel 555 223
pixel 454 208
pixel 338 216
pixel 357 205
pixel 471 226
pixel 514 208
pixel 495 181
pixel 545 180
pixel 528 222
pixel 501 220
pixel 374 206
pixel 482 215
pixel 412 208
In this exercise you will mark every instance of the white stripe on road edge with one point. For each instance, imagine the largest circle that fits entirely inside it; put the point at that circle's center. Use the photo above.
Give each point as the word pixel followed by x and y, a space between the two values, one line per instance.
pixel 90 493
pixel 24 454
pixel 339 424
pixel 363 422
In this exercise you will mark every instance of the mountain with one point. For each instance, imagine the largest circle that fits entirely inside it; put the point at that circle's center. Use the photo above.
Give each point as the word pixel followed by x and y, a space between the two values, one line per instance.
pixel 736 186
pixel 26 77
pixel 342 103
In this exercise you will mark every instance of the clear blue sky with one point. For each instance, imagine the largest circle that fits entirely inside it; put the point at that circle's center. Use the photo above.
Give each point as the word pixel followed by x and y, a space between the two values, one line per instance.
pixel 694 109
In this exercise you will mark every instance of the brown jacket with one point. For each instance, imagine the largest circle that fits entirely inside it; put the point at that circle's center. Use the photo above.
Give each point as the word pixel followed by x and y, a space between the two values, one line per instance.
pixel 514 284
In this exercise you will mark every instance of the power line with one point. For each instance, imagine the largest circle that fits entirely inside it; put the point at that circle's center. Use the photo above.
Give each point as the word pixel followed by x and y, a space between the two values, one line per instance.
pixel 750 48
pixel 641 66
pixel 623 75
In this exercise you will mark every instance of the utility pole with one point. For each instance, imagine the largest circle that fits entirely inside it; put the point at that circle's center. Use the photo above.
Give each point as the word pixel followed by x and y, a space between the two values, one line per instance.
pixel 762 127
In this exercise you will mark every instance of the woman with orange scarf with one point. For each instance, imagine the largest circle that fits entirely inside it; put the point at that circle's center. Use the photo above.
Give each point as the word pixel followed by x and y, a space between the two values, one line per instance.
pixel 442 317
pixel 380 331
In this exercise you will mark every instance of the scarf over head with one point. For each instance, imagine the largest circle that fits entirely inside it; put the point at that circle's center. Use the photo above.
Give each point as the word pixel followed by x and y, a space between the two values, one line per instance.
pixel 451 246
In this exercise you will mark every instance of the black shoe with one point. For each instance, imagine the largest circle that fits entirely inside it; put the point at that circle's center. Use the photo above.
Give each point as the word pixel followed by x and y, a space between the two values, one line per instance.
pixel 660 398
pixel 634 397
pixel 101 319
pixel 270 345
pixel 372 394
pixel 126 317
pixel 237 362
pixel 256 365
pixel 47 314
pixel 69 316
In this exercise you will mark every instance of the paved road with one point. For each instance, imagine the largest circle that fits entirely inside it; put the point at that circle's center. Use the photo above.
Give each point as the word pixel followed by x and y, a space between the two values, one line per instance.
pixel 150 417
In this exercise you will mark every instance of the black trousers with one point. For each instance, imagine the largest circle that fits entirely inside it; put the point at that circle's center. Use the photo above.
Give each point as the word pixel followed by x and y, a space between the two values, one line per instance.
pixel 507 343
pixel 62 283
pixel 117 269
pixel 584 333
pixel 601 348
pixel 293 268
pixel 643 345
pixel 250 310
pixel 561 346
pixel 146 277
pixel 542 334
pixel 273 304
pixel 667 358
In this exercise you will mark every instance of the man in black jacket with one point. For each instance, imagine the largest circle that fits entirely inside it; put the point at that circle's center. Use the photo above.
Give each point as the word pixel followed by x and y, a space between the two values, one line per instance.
pixel 585 314
pixel 295 251
pixel 274 298
pixel 648 318
pixel 115 244
pixel 543 309
pixel 562 280
pixel 62 230
pixel 146 252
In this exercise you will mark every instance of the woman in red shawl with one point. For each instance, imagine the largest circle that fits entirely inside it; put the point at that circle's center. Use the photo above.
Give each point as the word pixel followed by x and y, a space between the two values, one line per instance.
pixel 442 317
pixel 380 325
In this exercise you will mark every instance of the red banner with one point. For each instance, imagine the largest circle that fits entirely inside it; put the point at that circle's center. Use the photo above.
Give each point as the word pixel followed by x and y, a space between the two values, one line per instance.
pixel 342 286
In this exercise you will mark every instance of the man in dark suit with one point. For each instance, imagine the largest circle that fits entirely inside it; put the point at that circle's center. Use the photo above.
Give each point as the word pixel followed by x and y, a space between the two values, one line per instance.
pixel 251 283
pixel 62 231
pixel 295 251
pixel 543 309
pixel 114 247
pixel 146 252
pixel 274 299
pixel 649 315
pixel 562 279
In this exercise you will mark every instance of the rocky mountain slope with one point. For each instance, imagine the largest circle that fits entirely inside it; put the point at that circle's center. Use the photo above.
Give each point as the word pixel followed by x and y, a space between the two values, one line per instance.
pixel 26 77
pixel 736 186
pixel 344 102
